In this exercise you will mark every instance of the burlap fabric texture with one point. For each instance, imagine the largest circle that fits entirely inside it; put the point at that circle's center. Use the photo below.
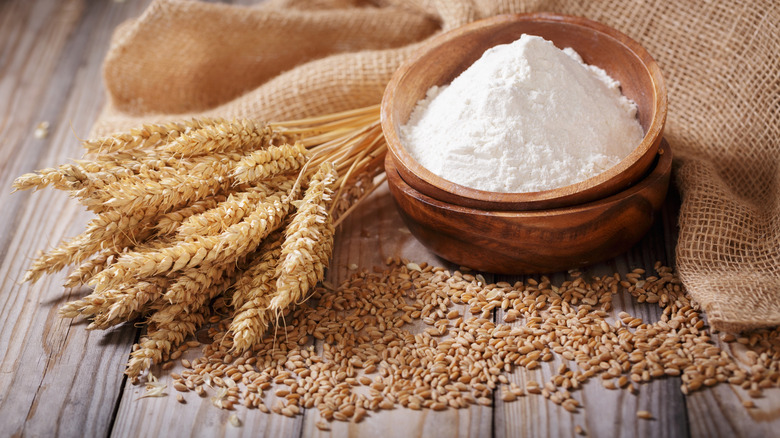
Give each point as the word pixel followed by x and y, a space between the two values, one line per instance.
pixel 290 59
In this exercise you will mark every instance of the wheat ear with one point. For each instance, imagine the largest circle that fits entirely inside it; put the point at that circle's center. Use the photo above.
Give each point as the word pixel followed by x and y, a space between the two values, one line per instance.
pixel 308 242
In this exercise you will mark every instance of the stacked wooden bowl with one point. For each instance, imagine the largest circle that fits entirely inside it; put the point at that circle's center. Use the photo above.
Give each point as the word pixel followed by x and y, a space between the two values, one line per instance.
pixel 542 231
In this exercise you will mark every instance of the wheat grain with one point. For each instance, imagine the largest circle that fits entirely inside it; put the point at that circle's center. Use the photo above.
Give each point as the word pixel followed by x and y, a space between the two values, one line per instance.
pixel 644 415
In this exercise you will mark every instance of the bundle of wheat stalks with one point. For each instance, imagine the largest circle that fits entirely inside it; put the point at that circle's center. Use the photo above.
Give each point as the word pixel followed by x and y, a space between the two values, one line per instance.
pixel 194 212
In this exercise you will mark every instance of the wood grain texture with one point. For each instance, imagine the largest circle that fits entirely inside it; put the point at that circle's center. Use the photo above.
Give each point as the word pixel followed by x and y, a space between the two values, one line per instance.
pixel 58 379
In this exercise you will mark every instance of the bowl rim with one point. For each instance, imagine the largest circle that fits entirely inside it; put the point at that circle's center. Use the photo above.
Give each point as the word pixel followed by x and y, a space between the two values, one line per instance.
pixel 420 177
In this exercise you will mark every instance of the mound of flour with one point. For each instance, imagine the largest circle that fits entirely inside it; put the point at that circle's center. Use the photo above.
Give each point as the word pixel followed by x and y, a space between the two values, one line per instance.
pixel 524 117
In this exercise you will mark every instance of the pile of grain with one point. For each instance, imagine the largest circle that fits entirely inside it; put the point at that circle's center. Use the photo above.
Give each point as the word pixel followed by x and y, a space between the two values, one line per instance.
pixel 371 355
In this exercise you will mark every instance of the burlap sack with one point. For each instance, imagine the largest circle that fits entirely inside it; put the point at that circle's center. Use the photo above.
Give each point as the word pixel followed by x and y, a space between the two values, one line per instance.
pixel 289 59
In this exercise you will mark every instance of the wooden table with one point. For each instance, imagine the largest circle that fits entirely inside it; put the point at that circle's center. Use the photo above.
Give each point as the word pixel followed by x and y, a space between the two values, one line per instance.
pixel 56 378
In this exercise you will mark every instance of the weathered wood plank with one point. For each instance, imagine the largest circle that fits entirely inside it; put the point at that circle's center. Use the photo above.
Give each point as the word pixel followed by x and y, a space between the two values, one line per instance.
pixel 718 412
pixel 55 377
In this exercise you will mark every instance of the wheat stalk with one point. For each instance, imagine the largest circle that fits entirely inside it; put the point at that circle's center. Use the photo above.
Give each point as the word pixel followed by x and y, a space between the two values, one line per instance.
pixel 194 211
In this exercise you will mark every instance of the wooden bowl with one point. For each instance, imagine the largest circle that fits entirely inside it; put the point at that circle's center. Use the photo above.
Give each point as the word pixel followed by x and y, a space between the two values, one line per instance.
pixel 446 56
pixel 539 241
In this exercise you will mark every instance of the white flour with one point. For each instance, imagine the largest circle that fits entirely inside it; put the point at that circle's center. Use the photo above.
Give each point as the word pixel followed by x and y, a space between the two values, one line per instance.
pixel 525 117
